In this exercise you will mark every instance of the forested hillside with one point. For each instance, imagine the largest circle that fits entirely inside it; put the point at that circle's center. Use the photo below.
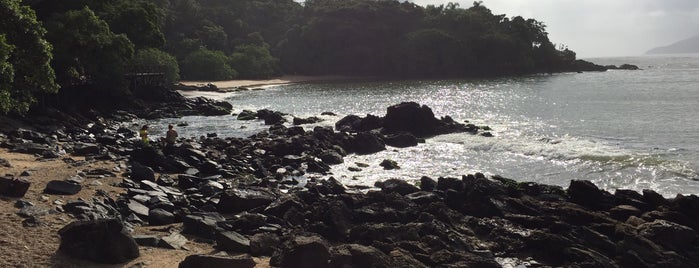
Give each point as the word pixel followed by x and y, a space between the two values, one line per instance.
pixel 46 45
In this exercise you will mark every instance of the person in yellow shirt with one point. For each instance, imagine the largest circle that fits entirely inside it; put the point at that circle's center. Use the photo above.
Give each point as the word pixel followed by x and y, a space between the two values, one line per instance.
pixel 144 134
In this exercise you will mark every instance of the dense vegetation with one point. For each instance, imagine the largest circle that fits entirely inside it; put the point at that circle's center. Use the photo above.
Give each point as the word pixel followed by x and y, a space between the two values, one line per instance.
pixel 93 43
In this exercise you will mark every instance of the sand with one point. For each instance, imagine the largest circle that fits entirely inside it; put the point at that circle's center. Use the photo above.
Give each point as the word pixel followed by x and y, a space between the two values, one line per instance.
pixel 225 87
pixel 37 246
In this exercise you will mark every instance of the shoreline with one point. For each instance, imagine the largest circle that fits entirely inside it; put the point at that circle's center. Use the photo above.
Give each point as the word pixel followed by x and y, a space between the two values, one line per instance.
pixel 228 86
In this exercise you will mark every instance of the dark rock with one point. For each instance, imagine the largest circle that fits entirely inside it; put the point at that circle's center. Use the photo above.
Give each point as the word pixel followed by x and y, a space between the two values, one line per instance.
pixel 623 212
pixel 271 117
pixel 217 261
pixel 33 211
pixel 455 184
pixel 402 258
pixel 62 188
pixel 302 251
pixel 147 240
pixel 102 241
pixel 627 66
pixel 173 241
pixel 398 186
pixel 160 217
pixel 232 241
pixel 587 194
pixel 389 164
pixel 354 255
pixel 328 113
pixel 653 198
pixel 401 140
pixel 302 121
pixel 427 184
pixel 247 115
pixel 331 157
pixel 140 172
pixel 202 224
pixel 668 234
pixel 353 123
pixel 243 199
pixel 263 244
pixel 366 143
pixel 412 118
pixel 80 148
pixel 12 187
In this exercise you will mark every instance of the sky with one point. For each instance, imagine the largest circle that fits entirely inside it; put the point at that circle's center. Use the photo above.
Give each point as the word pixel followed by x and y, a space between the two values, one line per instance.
pixel 603 28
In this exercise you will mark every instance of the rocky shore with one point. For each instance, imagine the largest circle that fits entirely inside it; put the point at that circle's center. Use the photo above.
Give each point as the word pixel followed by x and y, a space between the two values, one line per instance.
pixel 252 200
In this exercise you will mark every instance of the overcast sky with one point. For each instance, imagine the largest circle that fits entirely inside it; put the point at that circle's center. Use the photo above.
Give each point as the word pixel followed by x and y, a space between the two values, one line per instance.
pixel 600 28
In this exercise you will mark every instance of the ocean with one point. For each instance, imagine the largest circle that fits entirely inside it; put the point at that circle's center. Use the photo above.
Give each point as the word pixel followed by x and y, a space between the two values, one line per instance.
pixel 619 129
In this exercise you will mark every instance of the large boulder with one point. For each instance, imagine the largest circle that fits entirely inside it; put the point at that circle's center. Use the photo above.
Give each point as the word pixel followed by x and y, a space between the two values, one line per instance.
pixel 242 199
pixel 587 194
pixel 411 117
pixel 102 241
pixel 302 251
pixel 366 143
pixel 668 234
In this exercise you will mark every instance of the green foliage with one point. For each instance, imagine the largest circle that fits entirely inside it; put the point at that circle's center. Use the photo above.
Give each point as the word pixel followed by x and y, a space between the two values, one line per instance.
pixel 206 64
pixel 24 58
pixel 139 21
pixel 87 51
pixel 155 60
pixel 253 60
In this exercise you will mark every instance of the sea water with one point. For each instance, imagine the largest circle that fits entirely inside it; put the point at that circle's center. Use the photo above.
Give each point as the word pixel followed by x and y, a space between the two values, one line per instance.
pixel 619 129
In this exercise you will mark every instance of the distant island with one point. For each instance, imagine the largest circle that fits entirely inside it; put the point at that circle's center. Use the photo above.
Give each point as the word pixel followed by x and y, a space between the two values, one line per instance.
pixel 686 46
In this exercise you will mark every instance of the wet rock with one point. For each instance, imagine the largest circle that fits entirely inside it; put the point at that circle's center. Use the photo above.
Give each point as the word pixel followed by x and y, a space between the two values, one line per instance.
pixel 398 186
pixel 331 157
pixel 302 251
pixel 366 143
pixel 102 241
pixel 271 117
pixel 232 241
pixel 242 199
pixel 668 234
pixel 389 164
pixel 401 140
pixel 587 194
pixel 402 258
pixel 247 115
pixel 217 261
pixel 62 188
pixel 455 184
pixel 427 184
pixel 354 124
pixel 623 212
pixel 411 117
pixel 13 187
pixel 302 121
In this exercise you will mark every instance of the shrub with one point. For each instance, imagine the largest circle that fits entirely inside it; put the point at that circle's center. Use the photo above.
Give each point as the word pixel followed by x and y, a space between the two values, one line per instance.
pixel 206 64
pixel 158 61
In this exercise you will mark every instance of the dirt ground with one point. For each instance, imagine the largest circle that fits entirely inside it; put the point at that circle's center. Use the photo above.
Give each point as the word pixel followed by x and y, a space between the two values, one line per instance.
pixel 22 246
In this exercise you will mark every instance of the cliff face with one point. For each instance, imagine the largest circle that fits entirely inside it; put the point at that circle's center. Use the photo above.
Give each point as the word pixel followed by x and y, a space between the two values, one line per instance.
pixel 687 46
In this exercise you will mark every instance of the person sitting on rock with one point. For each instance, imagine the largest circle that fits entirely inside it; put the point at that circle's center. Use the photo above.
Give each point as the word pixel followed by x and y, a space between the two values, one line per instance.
pixel 170 136
pixel 144 134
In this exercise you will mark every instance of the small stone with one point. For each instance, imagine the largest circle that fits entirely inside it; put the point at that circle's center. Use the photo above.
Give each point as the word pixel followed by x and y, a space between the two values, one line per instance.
pixel 25 173
pixel 62 188
pixel 389 164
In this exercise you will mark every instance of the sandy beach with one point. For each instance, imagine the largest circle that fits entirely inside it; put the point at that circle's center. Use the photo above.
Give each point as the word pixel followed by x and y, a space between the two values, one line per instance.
pixel 225 87
pixel 23 246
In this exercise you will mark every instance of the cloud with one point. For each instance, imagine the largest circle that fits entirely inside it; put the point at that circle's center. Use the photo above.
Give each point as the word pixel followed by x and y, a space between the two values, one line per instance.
pixel 602 27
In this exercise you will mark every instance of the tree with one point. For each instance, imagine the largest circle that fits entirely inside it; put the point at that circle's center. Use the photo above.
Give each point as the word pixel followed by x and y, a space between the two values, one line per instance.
pixel 87 52
pixel 155 60
pixel 253 59
pixel 206 64
pixel 25 58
